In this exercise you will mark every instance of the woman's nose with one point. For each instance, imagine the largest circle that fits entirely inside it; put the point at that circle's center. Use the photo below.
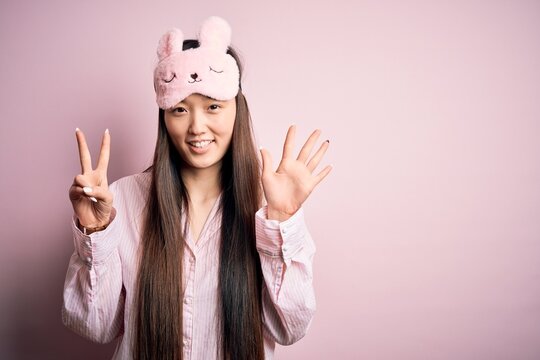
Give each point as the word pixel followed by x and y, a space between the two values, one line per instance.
pixel 198 122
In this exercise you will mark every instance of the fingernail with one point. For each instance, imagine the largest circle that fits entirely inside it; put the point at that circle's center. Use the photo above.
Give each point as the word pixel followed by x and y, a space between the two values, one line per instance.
pixel 260 147
pixel 76 129
pixel 93 199
pixel 106 131
pixel 87 189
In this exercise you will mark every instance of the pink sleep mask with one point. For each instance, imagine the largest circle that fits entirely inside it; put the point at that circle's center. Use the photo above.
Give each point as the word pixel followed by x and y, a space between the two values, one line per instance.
pixel 207 70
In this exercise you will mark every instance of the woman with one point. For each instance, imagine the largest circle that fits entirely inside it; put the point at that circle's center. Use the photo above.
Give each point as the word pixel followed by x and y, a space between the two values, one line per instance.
pixel 188 263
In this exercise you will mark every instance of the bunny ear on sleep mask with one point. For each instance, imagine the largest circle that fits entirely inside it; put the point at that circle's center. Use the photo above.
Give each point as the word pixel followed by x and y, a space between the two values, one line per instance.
pixel 207 70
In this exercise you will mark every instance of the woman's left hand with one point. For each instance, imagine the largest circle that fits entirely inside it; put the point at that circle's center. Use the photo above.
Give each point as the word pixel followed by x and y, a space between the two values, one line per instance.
pixel 289 186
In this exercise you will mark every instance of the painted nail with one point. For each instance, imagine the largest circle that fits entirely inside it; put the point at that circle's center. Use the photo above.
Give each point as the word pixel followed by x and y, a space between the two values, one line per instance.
pixel 77 129
pixel 87 189
pixel 106 131
pixel 93 199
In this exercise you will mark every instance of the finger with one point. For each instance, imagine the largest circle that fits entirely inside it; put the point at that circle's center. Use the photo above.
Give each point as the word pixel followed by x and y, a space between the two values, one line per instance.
pixel 320 176
pixel 266 161
pixel 105 151
pixel 82 181
pixel 306 149
pixel 76 192
pixel 288 147
pixel 98 194
pixel 84 153
pixel 316 159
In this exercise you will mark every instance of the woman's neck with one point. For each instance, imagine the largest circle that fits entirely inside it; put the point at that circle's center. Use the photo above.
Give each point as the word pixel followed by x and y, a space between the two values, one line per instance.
pixel 202 185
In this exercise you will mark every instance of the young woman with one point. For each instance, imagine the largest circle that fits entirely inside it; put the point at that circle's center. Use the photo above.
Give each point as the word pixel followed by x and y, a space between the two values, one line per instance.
pixel 183 261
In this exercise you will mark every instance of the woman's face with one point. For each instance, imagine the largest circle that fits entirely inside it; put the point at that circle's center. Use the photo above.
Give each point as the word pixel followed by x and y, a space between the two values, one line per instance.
pixel 201 129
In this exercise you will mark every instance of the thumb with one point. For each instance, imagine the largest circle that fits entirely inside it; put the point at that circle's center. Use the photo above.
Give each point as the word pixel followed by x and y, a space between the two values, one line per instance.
pixel 266 161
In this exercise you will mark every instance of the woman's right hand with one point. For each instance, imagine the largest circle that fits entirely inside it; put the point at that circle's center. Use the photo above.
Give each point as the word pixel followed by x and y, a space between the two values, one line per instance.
pixel 92 185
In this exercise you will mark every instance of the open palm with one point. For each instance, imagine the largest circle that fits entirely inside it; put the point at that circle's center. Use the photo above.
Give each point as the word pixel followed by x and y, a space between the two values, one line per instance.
pixel 290 185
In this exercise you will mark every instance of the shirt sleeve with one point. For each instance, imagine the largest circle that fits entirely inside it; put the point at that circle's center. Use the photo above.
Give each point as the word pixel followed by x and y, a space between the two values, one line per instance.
pixel 286 250
pixel 93 299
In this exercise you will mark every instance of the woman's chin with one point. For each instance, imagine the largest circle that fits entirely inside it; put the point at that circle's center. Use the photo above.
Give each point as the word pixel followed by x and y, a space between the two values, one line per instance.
pixel 202 165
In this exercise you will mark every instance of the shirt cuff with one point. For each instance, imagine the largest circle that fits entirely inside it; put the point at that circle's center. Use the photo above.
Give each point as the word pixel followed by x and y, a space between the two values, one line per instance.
pixel 280 238
pixel 95 249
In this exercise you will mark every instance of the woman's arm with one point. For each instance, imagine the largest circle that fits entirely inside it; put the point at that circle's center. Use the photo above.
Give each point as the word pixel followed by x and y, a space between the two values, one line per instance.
pixel 93 302
pixel 283 242
pixel 286 250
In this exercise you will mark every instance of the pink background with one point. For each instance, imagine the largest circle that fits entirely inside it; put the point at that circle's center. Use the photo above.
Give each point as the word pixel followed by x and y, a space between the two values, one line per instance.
pixel 428 228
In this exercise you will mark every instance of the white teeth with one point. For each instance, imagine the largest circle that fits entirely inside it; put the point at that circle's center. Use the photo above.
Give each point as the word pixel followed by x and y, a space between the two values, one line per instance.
pixel 200 144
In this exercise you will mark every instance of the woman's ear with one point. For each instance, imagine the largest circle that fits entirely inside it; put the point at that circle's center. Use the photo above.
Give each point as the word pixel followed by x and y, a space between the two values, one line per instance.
pixel 171 42
pixel 215 33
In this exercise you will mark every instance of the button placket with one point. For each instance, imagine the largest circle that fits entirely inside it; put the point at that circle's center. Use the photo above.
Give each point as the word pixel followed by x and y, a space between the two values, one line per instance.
pixel 285 247
pixel 188 306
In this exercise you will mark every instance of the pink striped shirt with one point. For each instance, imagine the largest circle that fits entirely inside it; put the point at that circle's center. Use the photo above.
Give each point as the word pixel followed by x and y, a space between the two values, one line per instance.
pixel 101 278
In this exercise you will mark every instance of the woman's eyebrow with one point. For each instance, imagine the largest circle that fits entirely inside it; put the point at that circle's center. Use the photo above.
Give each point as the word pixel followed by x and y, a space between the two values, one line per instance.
pixel 209 99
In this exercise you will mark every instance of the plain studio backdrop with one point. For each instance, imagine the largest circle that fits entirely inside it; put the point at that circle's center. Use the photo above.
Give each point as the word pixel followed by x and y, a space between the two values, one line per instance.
pixel 427 229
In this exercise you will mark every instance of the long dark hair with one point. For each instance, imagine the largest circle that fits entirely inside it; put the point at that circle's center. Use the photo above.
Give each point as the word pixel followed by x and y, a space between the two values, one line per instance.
pixel 158 300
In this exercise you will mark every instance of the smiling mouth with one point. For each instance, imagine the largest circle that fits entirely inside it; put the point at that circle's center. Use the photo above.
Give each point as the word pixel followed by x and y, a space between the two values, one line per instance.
pixel 200 144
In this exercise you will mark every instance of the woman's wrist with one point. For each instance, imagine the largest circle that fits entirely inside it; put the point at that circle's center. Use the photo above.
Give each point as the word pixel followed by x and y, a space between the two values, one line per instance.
pixel 277 215
pixel 87 230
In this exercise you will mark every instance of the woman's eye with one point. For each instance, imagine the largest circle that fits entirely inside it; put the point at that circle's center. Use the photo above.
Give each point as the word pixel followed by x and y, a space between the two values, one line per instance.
pixel 214 106
pixel 179 110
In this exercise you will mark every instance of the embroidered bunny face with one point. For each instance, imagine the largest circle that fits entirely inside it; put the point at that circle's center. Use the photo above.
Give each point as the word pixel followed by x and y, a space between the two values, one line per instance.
pixel 207 70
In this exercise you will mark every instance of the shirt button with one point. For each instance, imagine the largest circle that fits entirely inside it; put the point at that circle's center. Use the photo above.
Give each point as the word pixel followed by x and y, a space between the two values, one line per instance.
pixel 88 243
pixel 284 230
pixel 187 300
pixel 186 343
pixel 88 259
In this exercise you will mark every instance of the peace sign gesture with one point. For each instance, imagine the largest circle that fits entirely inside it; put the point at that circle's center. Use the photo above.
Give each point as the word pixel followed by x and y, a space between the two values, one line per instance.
pixel 89 194
pixel 289 186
